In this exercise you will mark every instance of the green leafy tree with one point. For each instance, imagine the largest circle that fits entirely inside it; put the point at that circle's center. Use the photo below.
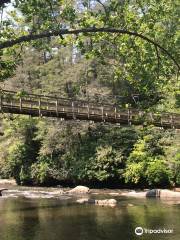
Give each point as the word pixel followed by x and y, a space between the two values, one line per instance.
pixel 146 163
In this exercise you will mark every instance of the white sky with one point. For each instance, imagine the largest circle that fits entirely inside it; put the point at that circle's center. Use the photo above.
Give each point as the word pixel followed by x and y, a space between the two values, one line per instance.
pixel 6 10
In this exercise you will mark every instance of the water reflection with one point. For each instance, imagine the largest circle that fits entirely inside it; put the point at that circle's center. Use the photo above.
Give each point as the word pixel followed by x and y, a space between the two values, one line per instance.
pixel 26 219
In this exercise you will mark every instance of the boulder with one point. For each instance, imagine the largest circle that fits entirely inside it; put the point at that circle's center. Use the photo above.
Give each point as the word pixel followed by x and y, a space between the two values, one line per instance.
pixel 130 205
pixel 153 193
pixel 58 192
pixel 79 190
pixel 134 194
pixel 163 193
pixel 82 200
pixel 176 189
pixel 114 194
pixel 2 189
pixel 106 202
pixel 169 194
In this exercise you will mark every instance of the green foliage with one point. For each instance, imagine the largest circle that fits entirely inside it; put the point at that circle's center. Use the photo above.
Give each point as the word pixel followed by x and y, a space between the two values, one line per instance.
pixel 157 173
pixel 19 160
pixel 39 151
pixel 40 172
pixel 106 164
pixel 175 168
pixel 101 153
pixel 6 68
pixel 147 163
pixel 134 172
pixel 21 150
pixel 51 152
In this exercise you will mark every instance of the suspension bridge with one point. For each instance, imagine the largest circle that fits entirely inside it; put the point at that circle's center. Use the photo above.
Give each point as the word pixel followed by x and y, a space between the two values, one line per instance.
pixel 64 108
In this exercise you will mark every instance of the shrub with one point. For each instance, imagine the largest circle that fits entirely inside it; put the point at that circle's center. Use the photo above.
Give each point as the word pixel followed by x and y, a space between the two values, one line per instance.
pixel 19 160
pixel 40 172
pixel 157 173
pixel 134 172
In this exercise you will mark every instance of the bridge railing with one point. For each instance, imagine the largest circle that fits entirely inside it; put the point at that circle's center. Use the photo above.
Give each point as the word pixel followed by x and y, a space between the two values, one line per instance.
pixel 39 105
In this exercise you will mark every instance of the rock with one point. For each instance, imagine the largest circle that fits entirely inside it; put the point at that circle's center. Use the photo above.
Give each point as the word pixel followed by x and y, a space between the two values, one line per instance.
pixel 2 189
pixel 153 193
pixel 79 190
pixel 130 205
pixel 82 200
pixel 134 194
pixel 114 194
pixel 58 192
pixel 169 194
pixel 156 193
pixel 163 193
pixel 176 189
pixel 106 202
pixel 7 182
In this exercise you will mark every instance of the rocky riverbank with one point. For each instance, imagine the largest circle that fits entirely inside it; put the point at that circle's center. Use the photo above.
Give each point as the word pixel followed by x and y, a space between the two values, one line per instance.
pixel 82 194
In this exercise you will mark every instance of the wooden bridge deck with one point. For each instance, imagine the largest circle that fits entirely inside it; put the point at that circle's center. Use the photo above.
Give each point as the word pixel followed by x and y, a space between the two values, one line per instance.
pixel 39 105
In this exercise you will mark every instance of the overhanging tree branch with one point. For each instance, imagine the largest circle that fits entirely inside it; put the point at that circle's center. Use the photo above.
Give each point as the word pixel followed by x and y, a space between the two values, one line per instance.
pixel 31 37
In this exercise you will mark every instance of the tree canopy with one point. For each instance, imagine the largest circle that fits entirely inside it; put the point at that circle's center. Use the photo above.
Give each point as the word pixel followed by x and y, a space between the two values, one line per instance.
pixel 115 51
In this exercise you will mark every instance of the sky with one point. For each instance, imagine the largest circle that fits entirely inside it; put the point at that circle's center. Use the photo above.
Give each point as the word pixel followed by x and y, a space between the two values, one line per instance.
pixel 6 10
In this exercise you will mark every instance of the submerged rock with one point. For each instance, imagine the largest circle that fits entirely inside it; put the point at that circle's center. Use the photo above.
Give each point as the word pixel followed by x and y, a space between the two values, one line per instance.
pixel 79 190
pixel 130 205
pixel 114 194
pixel 104 202
pixel 82 200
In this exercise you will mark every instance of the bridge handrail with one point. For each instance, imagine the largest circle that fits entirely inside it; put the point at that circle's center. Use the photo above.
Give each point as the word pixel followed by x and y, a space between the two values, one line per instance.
pixel 40 103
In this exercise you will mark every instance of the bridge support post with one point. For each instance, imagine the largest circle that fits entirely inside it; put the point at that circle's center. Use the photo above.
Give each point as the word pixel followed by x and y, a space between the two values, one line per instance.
pixel 1 102
pixel 40 107
pixel 129 116
pixel 88 110
pixel 20 104
pixel 73 110
pixel 57 108
pixel 172 122
pixel 102 113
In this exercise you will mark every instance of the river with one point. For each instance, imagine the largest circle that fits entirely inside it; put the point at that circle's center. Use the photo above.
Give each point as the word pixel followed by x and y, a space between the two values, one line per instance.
pixel 39 216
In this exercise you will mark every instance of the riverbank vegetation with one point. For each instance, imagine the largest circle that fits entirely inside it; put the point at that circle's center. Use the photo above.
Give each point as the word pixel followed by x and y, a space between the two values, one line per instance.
pixel 111 68
pixel 43 152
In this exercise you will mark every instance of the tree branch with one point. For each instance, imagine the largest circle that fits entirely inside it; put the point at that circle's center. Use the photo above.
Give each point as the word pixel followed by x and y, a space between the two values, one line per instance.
pixel 53 15
pixel 28 38
pixel 104 7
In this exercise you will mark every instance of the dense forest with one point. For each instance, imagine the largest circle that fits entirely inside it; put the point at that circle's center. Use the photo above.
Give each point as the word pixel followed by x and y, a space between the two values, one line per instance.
pixel 138 70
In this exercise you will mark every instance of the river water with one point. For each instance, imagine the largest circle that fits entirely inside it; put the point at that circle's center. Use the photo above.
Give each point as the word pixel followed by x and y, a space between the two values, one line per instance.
pixel 39 216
